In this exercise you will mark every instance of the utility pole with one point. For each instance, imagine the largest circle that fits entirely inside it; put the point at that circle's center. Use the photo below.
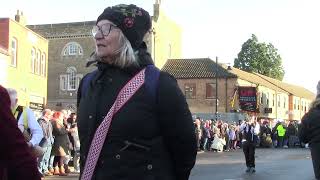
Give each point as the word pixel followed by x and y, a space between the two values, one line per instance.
pixel 216 76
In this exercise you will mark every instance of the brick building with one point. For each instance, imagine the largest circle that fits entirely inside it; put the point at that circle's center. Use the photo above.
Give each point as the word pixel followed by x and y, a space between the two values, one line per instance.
pixel 197 77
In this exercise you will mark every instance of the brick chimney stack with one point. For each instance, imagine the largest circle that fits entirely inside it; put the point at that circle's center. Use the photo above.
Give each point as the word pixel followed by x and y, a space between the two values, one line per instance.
pixel 156 9
pixel 19 17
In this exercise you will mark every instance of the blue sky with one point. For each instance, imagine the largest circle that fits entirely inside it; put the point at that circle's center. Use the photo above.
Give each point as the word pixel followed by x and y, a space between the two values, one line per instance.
pixel 213 27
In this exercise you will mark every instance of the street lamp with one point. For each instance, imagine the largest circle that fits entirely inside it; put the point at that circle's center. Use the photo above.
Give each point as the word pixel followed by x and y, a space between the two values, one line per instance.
pixel 154 44
pixel 216 76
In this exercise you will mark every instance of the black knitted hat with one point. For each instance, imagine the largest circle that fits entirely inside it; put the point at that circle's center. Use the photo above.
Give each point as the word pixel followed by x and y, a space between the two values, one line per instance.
pixel 133 21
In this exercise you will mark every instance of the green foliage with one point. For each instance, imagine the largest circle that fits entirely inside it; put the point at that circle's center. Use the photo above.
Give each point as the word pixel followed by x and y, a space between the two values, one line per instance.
pixel 261 58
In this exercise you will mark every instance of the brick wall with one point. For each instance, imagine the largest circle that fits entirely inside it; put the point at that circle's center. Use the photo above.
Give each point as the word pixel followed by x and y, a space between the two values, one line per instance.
pixel 201 104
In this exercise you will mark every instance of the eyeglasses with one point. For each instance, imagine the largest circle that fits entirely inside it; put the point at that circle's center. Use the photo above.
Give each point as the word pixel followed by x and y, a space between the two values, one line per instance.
pixel 105 29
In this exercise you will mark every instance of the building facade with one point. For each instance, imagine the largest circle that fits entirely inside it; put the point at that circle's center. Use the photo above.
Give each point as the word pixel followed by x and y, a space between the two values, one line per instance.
pixel 165 41
pixel 274 99
pixel 27 62
pixel 71 44
pixel 4 59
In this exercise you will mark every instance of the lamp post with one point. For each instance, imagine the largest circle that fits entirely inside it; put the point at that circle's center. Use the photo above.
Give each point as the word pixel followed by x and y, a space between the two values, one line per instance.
pixel 154 45
pixel 216 76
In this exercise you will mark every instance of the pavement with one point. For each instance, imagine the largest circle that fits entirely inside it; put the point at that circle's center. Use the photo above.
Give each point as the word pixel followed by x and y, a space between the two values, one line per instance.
pixel 271 164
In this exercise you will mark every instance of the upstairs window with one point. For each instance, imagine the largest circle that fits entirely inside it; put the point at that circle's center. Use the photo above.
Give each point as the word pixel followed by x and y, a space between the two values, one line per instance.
pixel 37 64
pixel 71 80
pixel 72 49
pixel 33 60
pixel 190 90
pixel 71 75
pixel 43 65
pixel 14 52
pixel 210 90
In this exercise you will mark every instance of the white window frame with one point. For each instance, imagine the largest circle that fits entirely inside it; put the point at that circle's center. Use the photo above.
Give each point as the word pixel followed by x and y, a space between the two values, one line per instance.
pixel 14 50
pixel 71 73
pixel 33 59
pixel 43 65
pixel 63 82
pixel 72 49
pixel 38 61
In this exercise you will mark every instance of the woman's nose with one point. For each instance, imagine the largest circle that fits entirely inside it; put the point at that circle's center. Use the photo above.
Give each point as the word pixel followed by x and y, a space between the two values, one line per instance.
pixel 98 35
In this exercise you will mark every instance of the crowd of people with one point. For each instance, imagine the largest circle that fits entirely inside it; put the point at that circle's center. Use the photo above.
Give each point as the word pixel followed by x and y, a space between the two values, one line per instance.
pixel 62 143
pixel 222 136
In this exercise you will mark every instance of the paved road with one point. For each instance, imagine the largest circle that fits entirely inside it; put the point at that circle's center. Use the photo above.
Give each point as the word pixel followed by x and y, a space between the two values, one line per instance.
pixel 271 164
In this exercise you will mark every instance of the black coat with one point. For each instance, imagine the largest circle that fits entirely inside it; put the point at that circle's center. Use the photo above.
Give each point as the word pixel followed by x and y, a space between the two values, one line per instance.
pixel 309 131
pixel 161 139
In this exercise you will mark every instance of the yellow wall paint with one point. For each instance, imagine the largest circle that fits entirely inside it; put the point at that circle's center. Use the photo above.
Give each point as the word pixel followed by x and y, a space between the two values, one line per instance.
pixel 167 36
pixel 30 87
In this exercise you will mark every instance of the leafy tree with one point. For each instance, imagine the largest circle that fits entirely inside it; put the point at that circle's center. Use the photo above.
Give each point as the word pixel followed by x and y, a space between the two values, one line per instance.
pixel 261 58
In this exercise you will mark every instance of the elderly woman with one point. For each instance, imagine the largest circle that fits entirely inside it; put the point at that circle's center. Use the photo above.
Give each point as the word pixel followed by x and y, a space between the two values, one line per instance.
pixel 17 161
pixel 132 123
pixel 309 132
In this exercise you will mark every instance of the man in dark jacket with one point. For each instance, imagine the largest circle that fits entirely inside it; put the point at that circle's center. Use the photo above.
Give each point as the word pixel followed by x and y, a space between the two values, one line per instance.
pixel 149 137
pixel 46 143
pixel 291 133
pixel 309 132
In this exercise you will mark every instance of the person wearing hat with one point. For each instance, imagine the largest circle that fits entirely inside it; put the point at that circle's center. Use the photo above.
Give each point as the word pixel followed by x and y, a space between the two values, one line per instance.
pixel 250 130
pixel 309 132
pixel 125 132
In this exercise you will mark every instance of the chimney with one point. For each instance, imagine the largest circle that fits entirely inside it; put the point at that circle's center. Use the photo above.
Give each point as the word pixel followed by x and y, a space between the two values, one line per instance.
pixel 20 18
pixel 156 10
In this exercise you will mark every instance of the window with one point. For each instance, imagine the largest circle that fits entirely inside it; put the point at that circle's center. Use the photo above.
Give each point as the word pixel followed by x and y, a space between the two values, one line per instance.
pixel 295 104
pixel 298 105
pixel 268 99
pixel 261 98
pixel 210 90
pixel 63 82
pixel 71 74
pixel 71 80
pixel 72 49
pixel 13 53
pixel 37 65
pixel 190 90
pixel 33 59
pixel 305 108
pixel 279 101
pixel 273 97
pixel 43 65
pixel 284 102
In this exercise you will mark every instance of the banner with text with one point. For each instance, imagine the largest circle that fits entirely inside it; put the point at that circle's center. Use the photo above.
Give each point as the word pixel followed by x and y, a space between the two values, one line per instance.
pixel 248 98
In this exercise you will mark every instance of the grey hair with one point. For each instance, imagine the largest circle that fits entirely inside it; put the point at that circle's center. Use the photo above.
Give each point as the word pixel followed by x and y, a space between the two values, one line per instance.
pixel 12 93
pixel 124 56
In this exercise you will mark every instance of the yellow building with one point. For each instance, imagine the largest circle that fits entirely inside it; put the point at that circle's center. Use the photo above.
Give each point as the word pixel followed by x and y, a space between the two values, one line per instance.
pixel 165 37
pixel 26 65
pixel 4 58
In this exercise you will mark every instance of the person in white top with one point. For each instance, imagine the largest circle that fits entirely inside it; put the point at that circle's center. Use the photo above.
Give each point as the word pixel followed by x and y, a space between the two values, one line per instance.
pixel 250 129
pixel 32 123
